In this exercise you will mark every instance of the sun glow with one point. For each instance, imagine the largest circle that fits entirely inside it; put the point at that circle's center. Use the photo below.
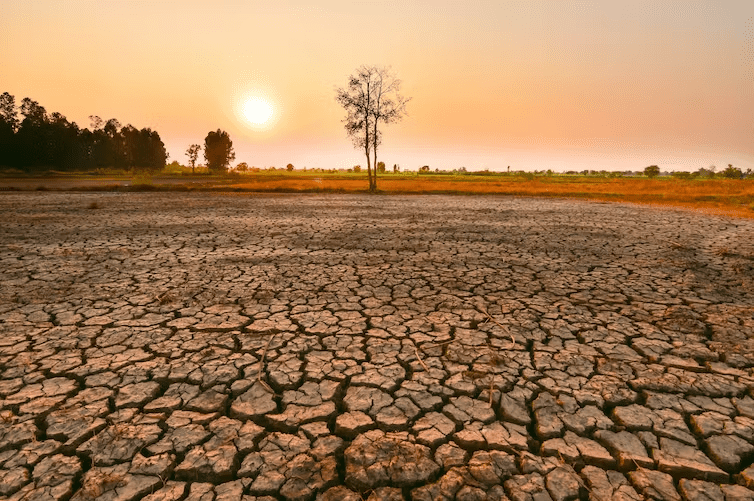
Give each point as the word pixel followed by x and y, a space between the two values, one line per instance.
pixel 257 111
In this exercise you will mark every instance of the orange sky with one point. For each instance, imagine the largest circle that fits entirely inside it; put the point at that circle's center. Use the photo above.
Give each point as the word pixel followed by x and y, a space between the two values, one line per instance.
pixel 530 84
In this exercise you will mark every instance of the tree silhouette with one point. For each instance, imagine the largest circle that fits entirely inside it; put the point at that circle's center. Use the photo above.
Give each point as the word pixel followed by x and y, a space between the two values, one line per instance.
pixel 43 140
pixel 218 151
pixel 652 171
pixel 8 126
pixel 193 153
pixel 8 113
pixel 389 107
pixel 732 172
pixel 370 98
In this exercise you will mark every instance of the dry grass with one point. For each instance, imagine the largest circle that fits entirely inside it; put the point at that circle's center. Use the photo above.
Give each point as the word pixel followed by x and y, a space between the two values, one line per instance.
pixel 98 482
pixel 731 197
pixel 718 196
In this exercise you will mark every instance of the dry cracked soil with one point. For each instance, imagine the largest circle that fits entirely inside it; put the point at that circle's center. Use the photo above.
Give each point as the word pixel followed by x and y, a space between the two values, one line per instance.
pixel 299 347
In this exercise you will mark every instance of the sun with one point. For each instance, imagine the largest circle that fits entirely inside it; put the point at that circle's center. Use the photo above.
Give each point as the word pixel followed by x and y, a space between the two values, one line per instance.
pixel 257 111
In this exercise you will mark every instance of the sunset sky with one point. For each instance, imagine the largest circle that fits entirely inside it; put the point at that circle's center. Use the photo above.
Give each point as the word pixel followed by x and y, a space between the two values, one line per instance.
pixel 532 84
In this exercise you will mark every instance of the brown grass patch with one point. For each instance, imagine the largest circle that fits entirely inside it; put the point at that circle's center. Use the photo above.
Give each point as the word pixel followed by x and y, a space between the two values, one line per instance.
pixel 716 196
pixel 732 197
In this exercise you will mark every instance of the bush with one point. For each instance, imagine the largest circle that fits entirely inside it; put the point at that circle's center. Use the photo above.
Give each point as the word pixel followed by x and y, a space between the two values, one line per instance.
pixel 356 168
pixel 681 175
pixel 732 172
pixel 702 172
pixel 173 168
pixel 651 171
pixel 289 167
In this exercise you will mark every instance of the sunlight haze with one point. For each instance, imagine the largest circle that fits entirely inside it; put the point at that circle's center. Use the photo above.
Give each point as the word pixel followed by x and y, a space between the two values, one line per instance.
pixel 532 85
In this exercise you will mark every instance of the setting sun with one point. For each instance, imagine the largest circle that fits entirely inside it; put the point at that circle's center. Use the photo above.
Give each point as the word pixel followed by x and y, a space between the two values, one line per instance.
pixel 257 111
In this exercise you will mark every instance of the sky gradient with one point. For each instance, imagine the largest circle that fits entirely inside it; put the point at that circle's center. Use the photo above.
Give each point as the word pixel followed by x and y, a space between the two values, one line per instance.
pixel 562 85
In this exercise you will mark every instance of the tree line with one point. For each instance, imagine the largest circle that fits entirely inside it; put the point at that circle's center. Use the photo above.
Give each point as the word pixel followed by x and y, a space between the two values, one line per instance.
pixel 33 139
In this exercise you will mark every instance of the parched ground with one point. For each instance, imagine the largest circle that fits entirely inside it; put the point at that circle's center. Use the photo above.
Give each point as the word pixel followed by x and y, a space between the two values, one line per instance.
pixel 206 346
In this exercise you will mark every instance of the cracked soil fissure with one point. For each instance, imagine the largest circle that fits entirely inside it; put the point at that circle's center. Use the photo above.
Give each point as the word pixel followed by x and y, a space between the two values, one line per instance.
pixel 301 347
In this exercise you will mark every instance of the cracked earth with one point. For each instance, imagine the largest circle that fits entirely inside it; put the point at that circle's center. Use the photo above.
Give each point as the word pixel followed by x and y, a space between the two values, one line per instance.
pixel 220 347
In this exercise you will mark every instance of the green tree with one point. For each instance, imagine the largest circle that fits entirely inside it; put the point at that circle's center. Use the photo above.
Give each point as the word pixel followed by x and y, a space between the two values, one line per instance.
pixel 357 168
pixel 651 171
pixel 8 127
pixel 218 151
pixel 289 167
pixel 242 167
pixel 381 167
pixel 702 172
pixel 8 112
pixel 43 140
pixel 732 172
pixel 193 153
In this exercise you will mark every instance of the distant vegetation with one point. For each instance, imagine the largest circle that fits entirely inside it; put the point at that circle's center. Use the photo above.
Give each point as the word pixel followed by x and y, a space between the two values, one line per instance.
pixel 694 190
pixel 218 151
pixel 31 139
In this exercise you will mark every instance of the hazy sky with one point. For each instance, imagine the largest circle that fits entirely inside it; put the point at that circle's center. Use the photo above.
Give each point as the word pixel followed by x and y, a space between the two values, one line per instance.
pixel 531 84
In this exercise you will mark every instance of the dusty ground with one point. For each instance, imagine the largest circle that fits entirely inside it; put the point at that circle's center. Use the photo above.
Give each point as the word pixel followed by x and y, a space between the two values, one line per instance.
pixel 207 347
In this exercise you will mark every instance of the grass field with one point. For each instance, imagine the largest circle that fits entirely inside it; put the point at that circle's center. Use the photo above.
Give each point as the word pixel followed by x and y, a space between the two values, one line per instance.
pixel 733 197
pixel 720 196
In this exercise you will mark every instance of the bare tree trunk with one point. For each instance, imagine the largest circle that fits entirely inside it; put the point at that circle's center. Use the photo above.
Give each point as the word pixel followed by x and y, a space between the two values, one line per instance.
pixel 373 187
pixel 377 117
pixel 369 167
pixel 366 137
pixel 366 151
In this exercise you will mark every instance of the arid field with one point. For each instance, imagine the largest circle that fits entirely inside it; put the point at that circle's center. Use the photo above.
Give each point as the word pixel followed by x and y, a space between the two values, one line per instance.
pixel 730 197
pixel 239 346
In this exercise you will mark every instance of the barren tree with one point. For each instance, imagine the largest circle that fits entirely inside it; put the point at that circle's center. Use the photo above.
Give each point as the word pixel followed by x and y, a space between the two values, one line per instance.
pixel 193 153
pixel 389 107
pixel 370 98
